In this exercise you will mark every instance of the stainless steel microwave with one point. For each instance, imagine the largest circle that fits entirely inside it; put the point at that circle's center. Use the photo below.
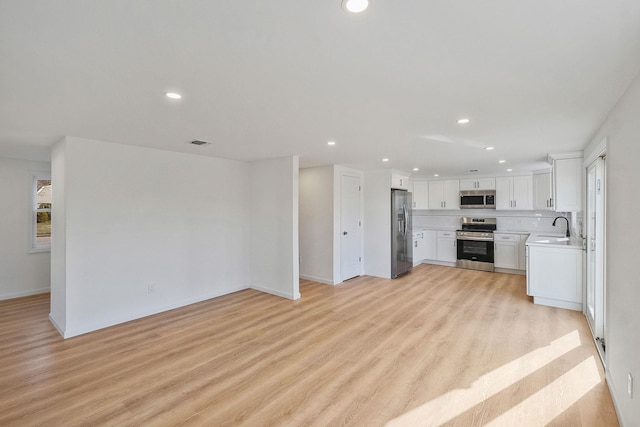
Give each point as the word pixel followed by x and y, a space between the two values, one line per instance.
pixel 478 199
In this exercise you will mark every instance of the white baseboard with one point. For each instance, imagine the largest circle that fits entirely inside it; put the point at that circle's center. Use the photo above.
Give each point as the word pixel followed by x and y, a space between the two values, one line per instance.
pixel 56 325
pixel 612 392
pixel 105 323
pixel 276 292
pixel 25 293
pixel 317 279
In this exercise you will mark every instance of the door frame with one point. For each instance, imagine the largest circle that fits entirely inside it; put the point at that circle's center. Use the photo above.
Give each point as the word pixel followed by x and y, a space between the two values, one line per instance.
pixel 597 325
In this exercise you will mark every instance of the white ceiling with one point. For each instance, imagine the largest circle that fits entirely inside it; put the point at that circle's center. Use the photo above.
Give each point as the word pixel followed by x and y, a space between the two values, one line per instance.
pixel 265 79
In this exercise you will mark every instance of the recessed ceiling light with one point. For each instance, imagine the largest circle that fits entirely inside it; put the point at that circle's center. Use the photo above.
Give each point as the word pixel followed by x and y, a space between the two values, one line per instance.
pixel 385 160
pixel 416 169
pixel 355 6
pixel 502 161
pixel 463 121
pixel 488 148
pixel 173 95
pixel 509 170
pixel 435 174
pixel 331 143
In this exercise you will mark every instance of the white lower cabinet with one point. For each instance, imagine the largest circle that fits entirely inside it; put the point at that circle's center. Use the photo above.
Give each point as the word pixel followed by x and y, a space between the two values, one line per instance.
pixel 506 253
pixel 554 276
pixel 418 247
pixel 446 247
pixel 430 242
pixel 510 251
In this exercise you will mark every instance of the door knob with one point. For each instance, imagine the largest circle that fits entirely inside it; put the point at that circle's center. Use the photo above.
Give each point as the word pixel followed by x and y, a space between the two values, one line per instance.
pixel 344 233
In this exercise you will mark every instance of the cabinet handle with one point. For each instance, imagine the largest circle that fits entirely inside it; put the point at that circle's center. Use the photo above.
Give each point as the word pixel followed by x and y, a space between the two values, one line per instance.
pixel 445 203
pixel 414 204
pixel 551 202
pixel 515 203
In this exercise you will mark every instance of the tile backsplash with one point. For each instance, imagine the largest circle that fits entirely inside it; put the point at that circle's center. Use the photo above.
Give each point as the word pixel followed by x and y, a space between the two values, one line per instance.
pixel 529 221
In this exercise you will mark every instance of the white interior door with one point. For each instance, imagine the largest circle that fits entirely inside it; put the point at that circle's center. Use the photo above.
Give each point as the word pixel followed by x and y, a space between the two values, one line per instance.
pixel 595 248
pixel 351 227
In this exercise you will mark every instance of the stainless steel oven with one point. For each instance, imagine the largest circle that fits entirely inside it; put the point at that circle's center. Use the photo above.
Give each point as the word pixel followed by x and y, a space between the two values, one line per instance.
pixel 475 244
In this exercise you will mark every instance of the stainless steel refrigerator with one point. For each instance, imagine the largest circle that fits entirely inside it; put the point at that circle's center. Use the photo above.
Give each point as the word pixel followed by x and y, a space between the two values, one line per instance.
pixel 401 233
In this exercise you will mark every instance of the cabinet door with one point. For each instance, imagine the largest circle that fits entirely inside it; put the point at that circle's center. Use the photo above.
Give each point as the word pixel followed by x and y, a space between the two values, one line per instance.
pixel 420 195
pixel 468 184
pixel 522 252
pixel 435 195
pixel 417 249
pixel 522 192
pixel 542 191
pixel 486 184
pixel 447 250
pixel 567 176
pixel 506 254
pixel 451 194
pixel 430 242
pixel 399 181
pixel 504 192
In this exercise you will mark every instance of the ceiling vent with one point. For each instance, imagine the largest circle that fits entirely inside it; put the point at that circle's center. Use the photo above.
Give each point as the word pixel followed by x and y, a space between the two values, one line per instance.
pixel 198 142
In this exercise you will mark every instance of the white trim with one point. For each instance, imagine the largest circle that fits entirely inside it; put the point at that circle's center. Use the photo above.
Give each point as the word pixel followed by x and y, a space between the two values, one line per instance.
pixel 561 156
pixel 612 392
pixel 276 292
pixel 55 325
pixel 116 320
pixel 598 151
pixel 25 293
pixel 317 279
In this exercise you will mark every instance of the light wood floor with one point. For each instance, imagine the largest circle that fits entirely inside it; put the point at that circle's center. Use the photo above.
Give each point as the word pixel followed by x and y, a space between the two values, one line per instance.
pixel 440 346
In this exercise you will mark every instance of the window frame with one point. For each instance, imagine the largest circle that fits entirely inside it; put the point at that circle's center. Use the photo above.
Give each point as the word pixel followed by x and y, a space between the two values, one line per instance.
pixel 34 246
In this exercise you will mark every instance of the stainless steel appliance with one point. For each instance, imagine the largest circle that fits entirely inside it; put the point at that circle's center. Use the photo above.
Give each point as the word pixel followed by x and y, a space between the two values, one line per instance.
pixel 475 244
pixel 478 199
pixel 401 233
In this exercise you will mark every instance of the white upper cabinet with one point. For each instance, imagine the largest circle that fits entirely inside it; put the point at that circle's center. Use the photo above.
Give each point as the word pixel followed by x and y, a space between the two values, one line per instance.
pixel 444 194
pixel 514 193
pixel 478 184
pixel 420 195
pixel 567 184
pixel 542 191
pixel 399 181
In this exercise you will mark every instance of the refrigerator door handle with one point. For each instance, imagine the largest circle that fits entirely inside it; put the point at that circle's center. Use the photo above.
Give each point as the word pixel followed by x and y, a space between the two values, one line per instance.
pixel 404 214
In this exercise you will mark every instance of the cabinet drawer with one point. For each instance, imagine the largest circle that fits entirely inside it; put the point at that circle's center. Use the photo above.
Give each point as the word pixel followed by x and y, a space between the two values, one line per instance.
pixel 506 237
pixel 447 234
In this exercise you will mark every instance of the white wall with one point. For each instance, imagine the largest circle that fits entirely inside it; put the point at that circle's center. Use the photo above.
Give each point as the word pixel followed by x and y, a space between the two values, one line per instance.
pixel 317 224
pixel 21 273
pixel 622 128
pixel 377 223
pixel 274 227
pixel 144 231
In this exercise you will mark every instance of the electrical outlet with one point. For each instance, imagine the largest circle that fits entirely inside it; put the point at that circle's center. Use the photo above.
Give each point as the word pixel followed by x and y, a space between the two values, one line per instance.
pixel 152 288
pixel 630 386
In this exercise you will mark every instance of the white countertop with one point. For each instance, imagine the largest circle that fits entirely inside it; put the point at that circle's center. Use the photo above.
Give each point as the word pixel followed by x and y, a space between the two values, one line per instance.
pixel 419 229
pixel 512 232
pixel 554 240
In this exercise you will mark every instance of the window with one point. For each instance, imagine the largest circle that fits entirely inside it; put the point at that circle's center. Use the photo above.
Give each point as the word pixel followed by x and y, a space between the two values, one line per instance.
pixel 41 240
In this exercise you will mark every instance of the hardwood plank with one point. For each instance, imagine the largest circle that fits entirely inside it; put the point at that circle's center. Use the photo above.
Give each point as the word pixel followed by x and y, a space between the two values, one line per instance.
pixel 439 346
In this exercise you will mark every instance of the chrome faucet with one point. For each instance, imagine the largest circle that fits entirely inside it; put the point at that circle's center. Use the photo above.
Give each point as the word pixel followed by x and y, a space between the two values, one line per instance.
pixel 565 218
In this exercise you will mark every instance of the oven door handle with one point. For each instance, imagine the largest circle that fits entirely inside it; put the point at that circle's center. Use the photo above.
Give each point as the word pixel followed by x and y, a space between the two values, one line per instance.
pixel 477 239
